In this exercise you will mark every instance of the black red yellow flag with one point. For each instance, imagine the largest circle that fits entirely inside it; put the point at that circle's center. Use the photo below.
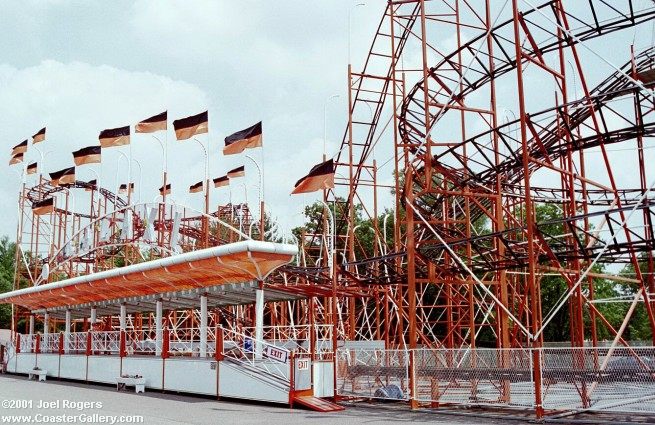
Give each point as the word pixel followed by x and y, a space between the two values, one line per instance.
pixel 115 137
pixel 88 155
pixel 152 124
pixel 44 207
pixel 221 181
pixel 248 138
pixel 188 127
pixel 320 177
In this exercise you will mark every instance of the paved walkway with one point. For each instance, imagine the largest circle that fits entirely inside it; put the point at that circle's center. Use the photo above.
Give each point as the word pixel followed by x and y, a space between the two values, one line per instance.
pixel 163 409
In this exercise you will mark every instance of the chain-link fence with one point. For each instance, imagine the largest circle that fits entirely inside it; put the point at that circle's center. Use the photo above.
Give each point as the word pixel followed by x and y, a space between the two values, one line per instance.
pixel 373 373
pixel 479 376
pixel 572 379
pixel 619 379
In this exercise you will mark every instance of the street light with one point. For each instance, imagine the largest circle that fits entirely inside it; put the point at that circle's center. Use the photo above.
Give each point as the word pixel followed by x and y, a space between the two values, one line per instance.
pixel 140 179
pixel 350 25
pixel 334 96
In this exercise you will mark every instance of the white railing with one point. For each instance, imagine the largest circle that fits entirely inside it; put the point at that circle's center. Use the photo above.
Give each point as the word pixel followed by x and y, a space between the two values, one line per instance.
pixel 187 342
pixel 49 343
pixel 298 338
pixel 108 342
pixel 75 342
pixel 27 343
pixel 241 348
pixel 140 342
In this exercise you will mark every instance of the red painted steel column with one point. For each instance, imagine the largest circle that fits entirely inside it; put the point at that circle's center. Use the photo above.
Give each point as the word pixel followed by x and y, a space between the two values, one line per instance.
pixel 122 344
pixel 218 354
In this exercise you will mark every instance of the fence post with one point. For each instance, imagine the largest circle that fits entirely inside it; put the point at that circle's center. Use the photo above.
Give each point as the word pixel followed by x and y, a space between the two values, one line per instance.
pixel 292 379
pixel 37 343
pixel 122 344
pixel 413 399
pixel 88 344
pixel 165 344
pixel 218 351
pixel 17 343
pixel 61 343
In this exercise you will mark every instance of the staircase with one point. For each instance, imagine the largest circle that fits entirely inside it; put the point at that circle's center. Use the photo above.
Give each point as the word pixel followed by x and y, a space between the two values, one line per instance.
pixel 315 403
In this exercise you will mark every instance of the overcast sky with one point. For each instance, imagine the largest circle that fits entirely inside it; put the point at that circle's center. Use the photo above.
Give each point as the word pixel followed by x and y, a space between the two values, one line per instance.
pixel 78 67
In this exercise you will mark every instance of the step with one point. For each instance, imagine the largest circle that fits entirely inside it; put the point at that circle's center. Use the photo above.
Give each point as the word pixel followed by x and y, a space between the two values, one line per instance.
pixel 317 404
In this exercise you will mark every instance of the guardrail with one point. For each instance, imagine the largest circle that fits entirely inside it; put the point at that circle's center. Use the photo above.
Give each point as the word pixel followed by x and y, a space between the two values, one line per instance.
pixel 258 355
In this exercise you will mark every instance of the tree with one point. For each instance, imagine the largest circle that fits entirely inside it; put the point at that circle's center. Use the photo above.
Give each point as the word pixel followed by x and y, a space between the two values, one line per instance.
pixel 7 253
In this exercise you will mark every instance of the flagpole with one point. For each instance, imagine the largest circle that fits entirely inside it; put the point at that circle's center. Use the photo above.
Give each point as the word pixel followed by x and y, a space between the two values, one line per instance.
pixel 129 174
pixel 206 230
pixel 140 180
pixel 162 208
pixel 260 172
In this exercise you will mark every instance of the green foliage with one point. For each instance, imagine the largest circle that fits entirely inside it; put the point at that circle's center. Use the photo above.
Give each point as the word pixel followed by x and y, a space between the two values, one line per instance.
pixel 7 253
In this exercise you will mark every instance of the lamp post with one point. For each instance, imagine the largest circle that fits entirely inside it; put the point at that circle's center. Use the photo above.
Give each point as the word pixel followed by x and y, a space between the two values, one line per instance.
pixel 140 180
pixel 205 222
pixel 261 197
pixel 327 100
pixel 350 24
pixel 164 150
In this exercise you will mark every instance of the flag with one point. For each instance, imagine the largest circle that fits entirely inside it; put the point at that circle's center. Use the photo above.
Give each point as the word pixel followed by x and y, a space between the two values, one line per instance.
pixel 88 155
pixel 249 138
pixel 115 137
pixel 152 124
pixel 321 176
pixel 195 188
pixel 237 172
pixel 43 207
pixel 93 183
pixel 31 168
pixel 123 188
pixel 165 190
pixel 39 136
pixel 188 127
pixel 221 181
pixel 19 148
pixel 15 159
pixel 65 176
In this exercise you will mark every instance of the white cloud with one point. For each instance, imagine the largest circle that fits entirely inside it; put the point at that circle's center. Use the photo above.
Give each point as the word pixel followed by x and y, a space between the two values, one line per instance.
pixel 75 101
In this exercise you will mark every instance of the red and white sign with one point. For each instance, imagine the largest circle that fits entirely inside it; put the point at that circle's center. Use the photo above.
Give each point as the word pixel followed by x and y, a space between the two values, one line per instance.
pixel 276 353
pixel 303 364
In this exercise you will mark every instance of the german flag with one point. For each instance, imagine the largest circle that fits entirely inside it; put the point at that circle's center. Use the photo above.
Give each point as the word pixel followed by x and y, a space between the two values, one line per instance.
pixel 88 155
pixel 321 176
pixel 221 181
pixel 15 159
pixel 195 188
pixel 237 172
pixel 249 138
pixel 152 124
pixel 39 136
pixel 65 176
pixel 115 137
pixel 123 188
pixel 44 207
pixel 165 190
pixel 93 183
pixel 31 168
pixel 19 148
pixel 188 127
